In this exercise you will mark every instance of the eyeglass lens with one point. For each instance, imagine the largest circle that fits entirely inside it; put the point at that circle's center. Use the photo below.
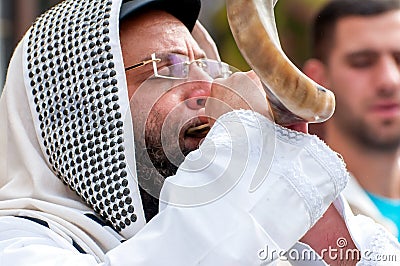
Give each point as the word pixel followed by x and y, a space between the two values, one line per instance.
pixel 177 66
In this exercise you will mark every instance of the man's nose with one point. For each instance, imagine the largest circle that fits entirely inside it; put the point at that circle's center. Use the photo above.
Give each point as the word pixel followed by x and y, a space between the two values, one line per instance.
pixel 198 94
pixel 389 75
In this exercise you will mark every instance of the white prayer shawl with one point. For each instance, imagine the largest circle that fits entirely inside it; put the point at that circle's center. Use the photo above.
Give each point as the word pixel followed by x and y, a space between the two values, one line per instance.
pixel 68 189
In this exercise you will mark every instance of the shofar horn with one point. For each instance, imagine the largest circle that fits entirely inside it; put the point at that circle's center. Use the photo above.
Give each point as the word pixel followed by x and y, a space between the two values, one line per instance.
pixel 292 95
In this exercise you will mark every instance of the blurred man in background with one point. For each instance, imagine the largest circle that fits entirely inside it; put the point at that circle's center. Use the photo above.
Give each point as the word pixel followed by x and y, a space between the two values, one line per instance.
pixel 356 54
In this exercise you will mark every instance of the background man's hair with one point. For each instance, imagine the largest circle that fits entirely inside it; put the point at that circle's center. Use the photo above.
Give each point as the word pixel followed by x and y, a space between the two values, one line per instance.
pixel 324 23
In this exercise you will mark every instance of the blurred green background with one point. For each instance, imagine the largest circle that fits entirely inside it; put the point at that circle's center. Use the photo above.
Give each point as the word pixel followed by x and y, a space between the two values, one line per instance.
pixel 293 18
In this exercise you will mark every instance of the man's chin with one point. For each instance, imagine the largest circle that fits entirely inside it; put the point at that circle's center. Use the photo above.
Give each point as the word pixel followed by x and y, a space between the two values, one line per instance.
pixel 191 144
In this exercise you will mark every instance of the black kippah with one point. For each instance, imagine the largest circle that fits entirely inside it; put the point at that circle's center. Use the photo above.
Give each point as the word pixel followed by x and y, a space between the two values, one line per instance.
pixel 186 11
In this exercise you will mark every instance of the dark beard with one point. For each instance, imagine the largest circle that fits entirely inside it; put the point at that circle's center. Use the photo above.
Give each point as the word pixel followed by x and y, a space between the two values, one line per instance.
pixel 153 167
pixel 367 135
pixel 369 139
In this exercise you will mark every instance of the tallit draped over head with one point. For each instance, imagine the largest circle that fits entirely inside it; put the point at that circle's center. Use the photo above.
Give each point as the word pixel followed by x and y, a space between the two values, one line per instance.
pixel 68 177
pixel 66 133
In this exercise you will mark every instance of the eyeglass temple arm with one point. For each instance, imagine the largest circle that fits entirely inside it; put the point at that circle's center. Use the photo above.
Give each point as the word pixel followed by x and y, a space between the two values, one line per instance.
pixel 143 63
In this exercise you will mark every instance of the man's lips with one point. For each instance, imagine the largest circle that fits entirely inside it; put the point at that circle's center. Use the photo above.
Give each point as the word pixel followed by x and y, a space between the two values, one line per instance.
pixel 386 109
pixel 198 131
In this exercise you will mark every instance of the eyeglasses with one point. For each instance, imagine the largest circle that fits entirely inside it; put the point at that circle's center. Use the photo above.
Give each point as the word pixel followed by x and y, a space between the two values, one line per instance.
pixel 177 66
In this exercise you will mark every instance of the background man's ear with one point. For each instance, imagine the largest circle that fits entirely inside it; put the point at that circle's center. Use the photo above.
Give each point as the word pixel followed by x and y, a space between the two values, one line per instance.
pixel 316 70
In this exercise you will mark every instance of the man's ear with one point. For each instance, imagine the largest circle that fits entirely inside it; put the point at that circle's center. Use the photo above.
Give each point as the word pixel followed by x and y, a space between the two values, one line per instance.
pixel 316 70
pixel 205 41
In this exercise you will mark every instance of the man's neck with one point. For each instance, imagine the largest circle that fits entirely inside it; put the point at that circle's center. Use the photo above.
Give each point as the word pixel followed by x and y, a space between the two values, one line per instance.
pixel 377 171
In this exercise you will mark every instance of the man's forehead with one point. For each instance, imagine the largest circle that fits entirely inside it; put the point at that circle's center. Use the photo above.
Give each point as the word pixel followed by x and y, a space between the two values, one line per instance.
pixel 363 25
pixel 157 32
pixel 369 32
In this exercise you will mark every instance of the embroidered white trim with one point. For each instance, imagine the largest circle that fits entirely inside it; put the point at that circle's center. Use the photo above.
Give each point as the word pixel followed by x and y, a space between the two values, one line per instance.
pixel 314 148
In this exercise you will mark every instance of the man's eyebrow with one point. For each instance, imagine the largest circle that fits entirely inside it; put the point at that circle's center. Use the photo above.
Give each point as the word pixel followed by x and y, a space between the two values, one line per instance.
pixel 365 52
pixel 174 51
pixel 197 55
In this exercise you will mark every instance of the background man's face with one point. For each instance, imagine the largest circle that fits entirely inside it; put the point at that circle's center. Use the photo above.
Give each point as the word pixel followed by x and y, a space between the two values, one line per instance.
pixel 363 71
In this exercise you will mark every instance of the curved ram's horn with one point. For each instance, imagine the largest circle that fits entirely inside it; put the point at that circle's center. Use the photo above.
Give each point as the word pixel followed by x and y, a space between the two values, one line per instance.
pixel 292 95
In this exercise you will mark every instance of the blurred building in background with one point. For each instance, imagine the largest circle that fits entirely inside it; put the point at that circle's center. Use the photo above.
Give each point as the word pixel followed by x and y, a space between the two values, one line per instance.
pixel 293 17
pixel 16 16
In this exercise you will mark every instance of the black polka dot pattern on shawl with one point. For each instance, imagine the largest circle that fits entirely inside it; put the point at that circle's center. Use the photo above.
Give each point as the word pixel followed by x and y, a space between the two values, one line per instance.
pixel 72 80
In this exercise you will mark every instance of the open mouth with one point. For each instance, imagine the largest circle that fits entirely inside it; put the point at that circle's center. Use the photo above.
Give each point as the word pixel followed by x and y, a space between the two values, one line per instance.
pixel 199 131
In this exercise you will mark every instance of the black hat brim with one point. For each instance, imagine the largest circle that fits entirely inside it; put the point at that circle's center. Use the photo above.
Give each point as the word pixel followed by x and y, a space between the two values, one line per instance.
pixel 187 11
